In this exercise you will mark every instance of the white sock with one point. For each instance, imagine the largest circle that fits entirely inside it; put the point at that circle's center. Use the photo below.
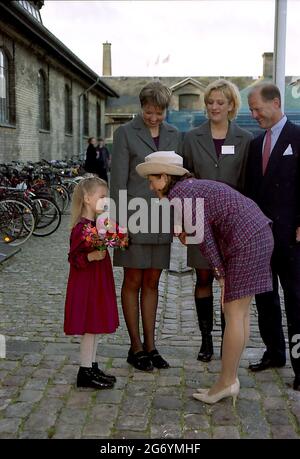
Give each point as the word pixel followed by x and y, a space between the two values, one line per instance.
pixel 96 337
pixel 86 350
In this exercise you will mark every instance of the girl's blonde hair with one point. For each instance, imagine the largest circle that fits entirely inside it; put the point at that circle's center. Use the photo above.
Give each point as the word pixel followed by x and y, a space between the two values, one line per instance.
pixel 85 186
pixel 230 91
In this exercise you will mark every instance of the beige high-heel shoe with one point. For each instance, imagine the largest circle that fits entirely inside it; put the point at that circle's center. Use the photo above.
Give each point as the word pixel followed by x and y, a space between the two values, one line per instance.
pixel 204 391
pixel 230 391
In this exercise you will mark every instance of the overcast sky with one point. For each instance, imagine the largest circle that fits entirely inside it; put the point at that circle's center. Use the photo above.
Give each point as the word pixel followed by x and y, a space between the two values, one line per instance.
pixel 174 38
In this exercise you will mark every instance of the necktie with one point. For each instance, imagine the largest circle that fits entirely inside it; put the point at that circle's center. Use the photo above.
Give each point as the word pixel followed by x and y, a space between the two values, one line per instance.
pixel 266 151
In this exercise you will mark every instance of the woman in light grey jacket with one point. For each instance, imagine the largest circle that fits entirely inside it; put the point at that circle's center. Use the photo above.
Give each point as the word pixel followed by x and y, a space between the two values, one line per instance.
pixel 148 252
pixel 216 150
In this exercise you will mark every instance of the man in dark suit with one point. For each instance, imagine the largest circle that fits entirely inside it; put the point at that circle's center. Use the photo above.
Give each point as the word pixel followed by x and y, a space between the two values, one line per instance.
pixel 273 182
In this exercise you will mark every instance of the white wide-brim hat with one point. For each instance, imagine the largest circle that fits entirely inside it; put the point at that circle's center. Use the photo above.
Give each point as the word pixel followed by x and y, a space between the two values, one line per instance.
pixel 162 162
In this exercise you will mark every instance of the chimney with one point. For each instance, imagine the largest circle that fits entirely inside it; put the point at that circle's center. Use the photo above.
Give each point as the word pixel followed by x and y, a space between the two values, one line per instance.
pixel 267 65
pixel 106 63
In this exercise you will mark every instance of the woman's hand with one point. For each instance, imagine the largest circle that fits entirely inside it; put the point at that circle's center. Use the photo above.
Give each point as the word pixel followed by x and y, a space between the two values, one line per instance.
pixel 96 255
pixel 298 234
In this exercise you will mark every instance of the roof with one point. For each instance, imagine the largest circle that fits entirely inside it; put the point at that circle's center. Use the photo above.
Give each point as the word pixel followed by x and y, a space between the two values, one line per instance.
pixel 26 23
pixel 291 99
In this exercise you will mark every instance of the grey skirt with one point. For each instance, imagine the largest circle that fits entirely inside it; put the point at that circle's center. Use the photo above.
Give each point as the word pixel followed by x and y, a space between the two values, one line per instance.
pixel 143 256
pixel 195 259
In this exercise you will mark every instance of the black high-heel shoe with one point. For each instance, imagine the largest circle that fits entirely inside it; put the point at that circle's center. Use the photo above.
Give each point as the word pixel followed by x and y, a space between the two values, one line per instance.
pixel 95 367
pixel 87 377
pixel 157 360
pixel 140 360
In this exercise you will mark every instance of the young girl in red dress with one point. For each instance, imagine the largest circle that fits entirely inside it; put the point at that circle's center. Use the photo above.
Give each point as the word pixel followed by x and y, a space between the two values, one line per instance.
pixel 91 306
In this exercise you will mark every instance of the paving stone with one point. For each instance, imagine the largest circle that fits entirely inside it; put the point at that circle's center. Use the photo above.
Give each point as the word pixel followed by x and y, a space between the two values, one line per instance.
pixel 130 434
pixel 67 431
pixel 196 435
pixel 136 406
pixel 167 402
pixel 277 417
pixel 29 395
pixel 39 421
pixel 79 399
pixel 222 414
pixel 92 430
pixel 9 425
pixel 73 416
pixel 58 390
pixel 109 396
pixel 162 416
pixel 128 422
pixel 166 431
pixel 284 432
pixel 196 421
pixel 275 403
pixel 33 435
pixel 226 432
pixel 19 410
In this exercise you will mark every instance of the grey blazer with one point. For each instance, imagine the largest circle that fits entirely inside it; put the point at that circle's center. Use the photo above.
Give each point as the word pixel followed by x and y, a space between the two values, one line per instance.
pixel 201 159
pixel 132 142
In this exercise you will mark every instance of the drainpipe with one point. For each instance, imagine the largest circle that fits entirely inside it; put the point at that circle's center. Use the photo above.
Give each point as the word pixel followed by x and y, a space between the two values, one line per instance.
pixel 81 153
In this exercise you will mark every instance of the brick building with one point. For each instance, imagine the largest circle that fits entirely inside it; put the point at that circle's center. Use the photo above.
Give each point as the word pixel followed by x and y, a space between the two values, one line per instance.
pixel 50 101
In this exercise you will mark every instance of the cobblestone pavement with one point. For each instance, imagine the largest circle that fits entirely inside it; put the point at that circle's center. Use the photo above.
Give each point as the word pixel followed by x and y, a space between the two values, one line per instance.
pixel 38 398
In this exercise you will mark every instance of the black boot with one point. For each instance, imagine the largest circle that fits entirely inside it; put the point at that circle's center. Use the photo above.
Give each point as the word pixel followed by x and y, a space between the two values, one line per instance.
pixel 87 377
pixel 223 324
pixel 204 307
pixel 95 367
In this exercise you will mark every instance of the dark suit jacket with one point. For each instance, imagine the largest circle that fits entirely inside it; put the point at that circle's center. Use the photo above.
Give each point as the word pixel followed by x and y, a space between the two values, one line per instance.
pixel 201 159
pixel 132 142
pixel 277 192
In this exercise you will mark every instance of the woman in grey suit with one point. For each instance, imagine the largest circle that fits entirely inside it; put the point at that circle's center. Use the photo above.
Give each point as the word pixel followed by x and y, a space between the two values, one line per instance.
pixel 216 150
pixel 148 253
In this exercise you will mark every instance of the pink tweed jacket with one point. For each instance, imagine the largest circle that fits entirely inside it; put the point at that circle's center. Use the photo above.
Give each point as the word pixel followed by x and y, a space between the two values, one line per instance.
pixel 230 219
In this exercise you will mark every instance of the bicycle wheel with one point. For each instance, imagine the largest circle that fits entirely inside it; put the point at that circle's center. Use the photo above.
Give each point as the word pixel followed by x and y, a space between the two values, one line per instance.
pixel 48 216
pixel 61 196
pixel 17 221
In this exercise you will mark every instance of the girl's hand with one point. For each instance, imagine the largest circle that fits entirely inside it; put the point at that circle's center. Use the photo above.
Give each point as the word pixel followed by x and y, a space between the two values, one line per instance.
pixel 97 255
pixel 182 238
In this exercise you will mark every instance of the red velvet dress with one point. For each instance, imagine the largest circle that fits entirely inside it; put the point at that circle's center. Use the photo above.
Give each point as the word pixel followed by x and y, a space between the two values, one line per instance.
pixel 91 305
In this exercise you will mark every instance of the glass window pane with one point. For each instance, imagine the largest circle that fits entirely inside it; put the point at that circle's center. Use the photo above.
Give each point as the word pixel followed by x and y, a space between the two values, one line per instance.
pixel 4 90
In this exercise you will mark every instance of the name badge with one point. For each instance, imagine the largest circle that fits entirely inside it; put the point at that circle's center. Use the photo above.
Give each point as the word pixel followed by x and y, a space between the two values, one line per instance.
pixel 227 150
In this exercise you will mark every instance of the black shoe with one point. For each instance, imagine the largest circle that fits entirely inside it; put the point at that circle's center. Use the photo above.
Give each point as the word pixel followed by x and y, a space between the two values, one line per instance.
pixel 296 385
pixel 140 360
pixel 101 373
pixel 206 349
pixel 264 364
pixel 157 360
pixel 87 377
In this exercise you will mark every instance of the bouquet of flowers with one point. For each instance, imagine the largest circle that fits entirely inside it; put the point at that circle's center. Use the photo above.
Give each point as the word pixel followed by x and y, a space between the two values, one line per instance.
pixel 105 234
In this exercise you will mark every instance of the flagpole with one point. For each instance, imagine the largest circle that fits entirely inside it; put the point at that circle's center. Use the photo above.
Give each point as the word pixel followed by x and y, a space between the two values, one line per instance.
pixel 280 46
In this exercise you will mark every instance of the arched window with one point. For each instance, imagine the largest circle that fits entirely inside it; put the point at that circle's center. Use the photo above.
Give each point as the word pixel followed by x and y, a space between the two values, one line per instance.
pixel 85 116
pixel 68 110
pixel 98 114
pixel 4 88
pixel 43 101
